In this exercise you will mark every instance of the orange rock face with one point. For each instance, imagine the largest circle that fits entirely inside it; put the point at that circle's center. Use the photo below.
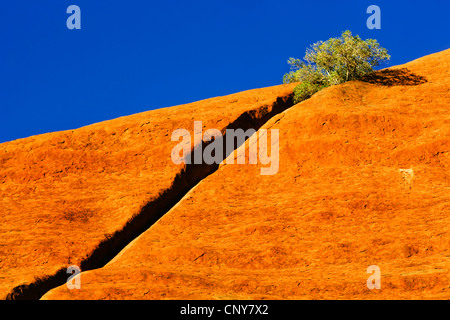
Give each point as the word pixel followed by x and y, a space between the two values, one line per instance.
pixel 63 194
pixel 363 180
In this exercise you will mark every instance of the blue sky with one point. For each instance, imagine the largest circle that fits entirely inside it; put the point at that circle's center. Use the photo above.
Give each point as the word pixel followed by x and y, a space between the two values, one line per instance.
pixel 132 56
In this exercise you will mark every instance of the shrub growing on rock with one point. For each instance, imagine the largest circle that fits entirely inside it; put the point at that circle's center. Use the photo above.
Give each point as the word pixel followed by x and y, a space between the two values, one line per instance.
pixel 332 62
pixel 305 90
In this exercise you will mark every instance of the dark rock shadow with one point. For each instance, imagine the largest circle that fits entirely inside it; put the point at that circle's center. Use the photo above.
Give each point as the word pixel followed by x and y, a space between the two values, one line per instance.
pixel 396 77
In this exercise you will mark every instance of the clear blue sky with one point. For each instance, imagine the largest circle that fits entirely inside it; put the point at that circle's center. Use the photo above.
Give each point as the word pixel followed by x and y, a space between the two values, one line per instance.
pixel 132 56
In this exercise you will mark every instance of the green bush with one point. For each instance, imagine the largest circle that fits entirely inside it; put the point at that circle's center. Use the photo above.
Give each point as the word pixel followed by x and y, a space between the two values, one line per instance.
pixel 305 90
pixel 332 62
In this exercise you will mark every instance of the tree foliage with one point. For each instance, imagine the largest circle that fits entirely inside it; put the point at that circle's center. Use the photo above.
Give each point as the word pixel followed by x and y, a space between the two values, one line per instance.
pixel 334 61
pixel 305 90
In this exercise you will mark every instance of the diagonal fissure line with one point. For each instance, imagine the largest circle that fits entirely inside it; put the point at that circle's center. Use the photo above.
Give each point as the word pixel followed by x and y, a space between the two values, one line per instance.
pixel 184 181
